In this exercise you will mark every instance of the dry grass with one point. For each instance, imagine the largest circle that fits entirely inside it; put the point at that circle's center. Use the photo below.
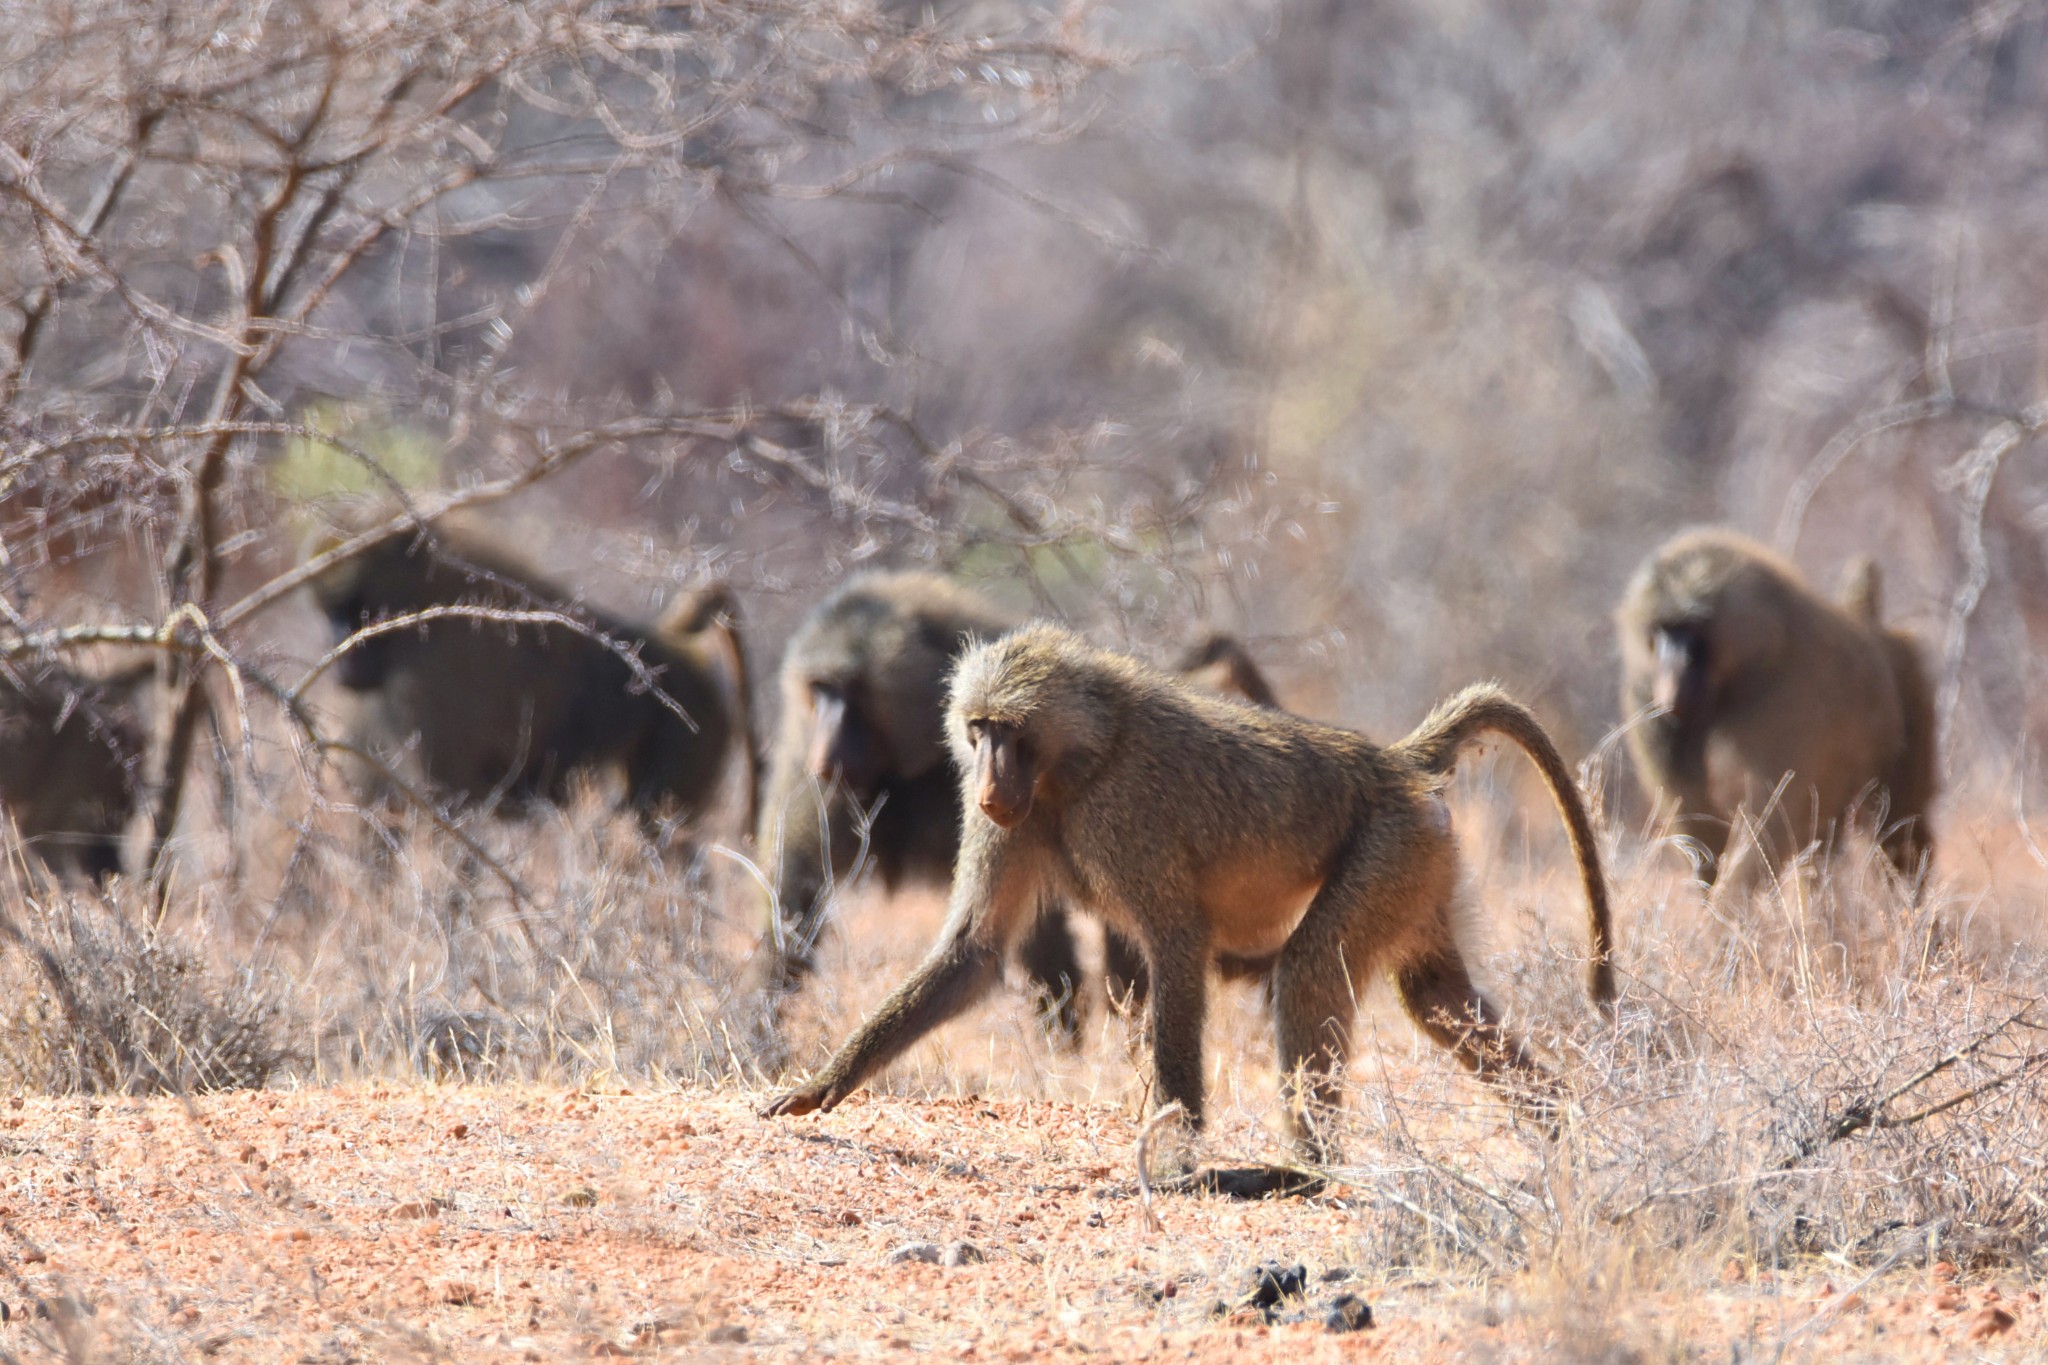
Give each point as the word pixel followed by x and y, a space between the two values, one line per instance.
pixel 1705 1184
pixel 1846 1083
pixel 1391 335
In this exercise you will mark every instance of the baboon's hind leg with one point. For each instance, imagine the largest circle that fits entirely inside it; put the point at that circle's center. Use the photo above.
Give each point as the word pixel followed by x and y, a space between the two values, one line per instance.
pixel 1124 975
pixel 1438 992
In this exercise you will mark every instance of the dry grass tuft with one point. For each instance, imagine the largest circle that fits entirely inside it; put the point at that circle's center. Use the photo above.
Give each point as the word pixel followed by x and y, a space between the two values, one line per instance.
pixel 106 1000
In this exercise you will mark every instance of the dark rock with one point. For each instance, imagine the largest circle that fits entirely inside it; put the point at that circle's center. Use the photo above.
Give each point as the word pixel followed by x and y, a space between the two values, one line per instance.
pixel 1348 1313
pixel 1270 1282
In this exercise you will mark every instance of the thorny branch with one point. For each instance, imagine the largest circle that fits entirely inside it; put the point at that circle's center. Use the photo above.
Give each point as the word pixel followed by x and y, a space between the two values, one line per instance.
pixel 1867 1113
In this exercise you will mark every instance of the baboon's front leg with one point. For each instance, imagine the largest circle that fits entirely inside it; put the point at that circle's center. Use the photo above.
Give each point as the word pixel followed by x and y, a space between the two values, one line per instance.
pixel 956 975
pixel 1439 995
pixel 995 892
pixel 1180 1005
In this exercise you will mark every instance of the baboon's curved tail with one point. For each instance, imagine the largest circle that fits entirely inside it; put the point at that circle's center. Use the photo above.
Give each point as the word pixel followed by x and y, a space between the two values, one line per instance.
pixel 714 609
pixel 1485 709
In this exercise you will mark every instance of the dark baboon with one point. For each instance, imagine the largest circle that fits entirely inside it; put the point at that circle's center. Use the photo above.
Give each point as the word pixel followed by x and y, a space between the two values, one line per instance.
pixel 482 710
pixel 860 766
pixel 70 761
pixel 1761 705
pixel 1214 832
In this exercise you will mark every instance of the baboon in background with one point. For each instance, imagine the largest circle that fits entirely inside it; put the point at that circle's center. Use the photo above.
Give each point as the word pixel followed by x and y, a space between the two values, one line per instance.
pixel 71 761
pixel 860 766
pixel 1739 674
pixel 1214 832
pixel 1222 664
pixel 484 710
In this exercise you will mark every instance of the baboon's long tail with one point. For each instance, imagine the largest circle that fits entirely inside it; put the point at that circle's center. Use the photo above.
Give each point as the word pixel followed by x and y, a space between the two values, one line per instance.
pixel 715 609
pixel 750 735
pixel 1485 709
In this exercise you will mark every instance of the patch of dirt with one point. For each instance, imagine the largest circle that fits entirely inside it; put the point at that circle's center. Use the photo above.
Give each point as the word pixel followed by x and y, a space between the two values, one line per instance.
pixel 522 1223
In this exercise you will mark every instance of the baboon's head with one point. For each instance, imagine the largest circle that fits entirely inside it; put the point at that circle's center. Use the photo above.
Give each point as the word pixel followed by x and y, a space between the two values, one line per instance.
pixel 869 670
pixel 358 592
pixel 1024 711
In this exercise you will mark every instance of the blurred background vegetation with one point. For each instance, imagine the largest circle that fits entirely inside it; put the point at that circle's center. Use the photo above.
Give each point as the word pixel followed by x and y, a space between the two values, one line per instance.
pixel 1390 336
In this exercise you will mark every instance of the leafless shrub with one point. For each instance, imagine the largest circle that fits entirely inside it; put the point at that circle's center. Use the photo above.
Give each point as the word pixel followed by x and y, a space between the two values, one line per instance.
pixel 104 1002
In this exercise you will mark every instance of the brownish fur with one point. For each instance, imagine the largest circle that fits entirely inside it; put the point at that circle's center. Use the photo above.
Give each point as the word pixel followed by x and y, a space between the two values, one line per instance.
pixel 480 710
pixel 1767 678
pixel 1210 831
pixel 70 761
pixel 882 645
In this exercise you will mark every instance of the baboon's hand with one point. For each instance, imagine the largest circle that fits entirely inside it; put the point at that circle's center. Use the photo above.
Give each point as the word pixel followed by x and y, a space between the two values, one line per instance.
pixel 816 1097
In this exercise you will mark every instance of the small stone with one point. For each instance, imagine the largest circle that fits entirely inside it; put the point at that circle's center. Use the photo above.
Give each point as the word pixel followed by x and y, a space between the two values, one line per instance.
pixel 1944 1271
pixel 927 1253
pixel 1337 1274
pixel 414 1208
pixel 1348 1313
pixel 727 1334
pixel 582 1197
pixel 962 1253
pixel 459 1131
pixel 459 1292
pixel 1949 1300
pixel 1990 1322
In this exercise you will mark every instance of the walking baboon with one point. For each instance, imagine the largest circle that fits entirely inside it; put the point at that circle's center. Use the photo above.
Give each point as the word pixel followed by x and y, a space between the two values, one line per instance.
pixel 1763 707
pixel 1213 832
pixel 70 761
pixel 482 710
pixel 860 768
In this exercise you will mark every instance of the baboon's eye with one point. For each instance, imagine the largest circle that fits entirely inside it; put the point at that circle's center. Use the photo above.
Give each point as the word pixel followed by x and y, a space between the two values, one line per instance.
pixel 977 730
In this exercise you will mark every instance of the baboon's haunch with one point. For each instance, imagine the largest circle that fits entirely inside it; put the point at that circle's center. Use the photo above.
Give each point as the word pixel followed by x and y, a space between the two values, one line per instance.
pixel 479 709
pixel 1209 832
pixel 1742 674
